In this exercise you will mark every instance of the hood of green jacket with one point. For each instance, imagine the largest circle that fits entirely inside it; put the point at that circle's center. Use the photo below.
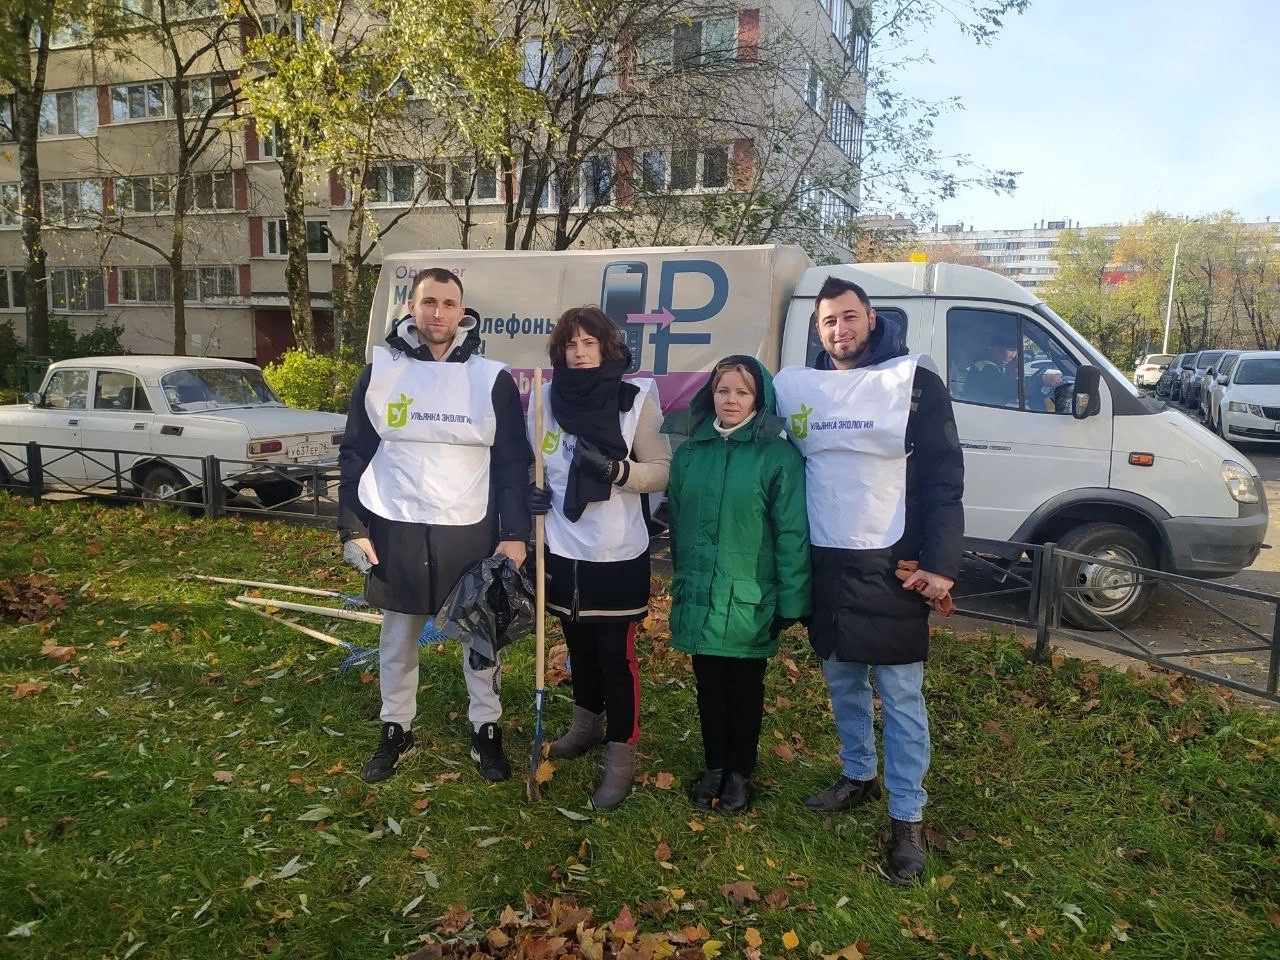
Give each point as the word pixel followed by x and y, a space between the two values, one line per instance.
pixel 766 423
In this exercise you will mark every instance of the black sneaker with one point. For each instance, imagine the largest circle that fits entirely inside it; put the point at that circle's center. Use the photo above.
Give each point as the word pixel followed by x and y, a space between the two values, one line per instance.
pixel 396 744
pixel 486 751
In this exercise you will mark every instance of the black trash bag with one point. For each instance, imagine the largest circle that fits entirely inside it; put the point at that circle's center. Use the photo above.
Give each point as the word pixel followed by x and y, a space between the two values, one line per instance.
pixel 492 605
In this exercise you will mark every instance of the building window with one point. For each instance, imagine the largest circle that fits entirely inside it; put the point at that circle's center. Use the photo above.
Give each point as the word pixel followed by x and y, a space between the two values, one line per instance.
pixel 651 171
pixel 204 94
pixel 77 291
pixel 704 43
pixel 69 113
pixel 389 183
pixel 269 141
pixel 7 134
pixel 138 101
pixel 850 26
pixel 70 201
pixel 299 26
pixel 700 169
pixel 212 191
pixel 213 283
pixel 815 91
pixel 143 194
pixel 13 290
pixel 277 238
pixel 597 181
pixel 10 204
pixel 845 127
pixel 146 285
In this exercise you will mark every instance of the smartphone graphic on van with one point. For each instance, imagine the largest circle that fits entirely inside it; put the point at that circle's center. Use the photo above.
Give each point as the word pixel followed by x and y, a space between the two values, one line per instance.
pixel 622 293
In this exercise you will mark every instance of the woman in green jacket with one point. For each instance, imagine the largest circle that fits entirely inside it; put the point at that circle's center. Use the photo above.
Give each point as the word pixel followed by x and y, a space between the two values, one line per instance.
pixel 740 550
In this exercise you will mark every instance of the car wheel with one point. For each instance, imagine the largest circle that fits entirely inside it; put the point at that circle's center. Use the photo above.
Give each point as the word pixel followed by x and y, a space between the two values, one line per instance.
pixel 278 492
pixel 1093 590
pixel 164 486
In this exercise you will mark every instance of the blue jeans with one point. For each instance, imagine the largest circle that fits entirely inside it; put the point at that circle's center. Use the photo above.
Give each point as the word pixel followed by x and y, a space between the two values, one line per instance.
pixel 906 729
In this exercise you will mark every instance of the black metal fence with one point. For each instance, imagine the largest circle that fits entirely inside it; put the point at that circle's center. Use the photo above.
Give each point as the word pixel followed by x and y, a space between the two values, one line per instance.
pixel 211 485
pixel 1043 583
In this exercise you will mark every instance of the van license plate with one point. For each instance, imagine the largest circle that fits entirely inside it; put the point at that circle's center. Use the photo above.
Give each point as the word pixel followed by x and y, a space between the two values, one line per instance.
pixel 307 450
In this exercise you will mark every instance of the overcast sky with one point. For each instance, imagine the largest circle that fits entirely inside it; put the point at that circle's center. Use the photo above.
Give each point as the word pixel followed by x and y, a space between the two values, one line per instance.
pixel 1112 108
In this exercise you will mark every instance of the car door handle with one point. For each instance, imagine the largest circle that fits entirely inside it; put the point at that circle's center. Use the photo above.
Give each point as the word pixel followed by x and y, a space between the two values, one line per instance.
pixel 139 426
pixel 74 423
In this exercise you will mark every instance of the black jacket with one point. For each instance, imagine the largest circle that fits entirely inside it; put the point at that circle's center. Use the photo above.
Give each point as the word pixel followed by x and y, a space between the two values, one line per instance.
pixel 861 613
pixel 418 563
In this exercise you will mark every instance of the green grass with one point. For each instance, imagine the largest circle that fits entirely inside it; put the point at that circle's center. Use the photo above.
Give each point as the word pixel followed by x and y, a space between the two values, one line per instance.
pixel 186 786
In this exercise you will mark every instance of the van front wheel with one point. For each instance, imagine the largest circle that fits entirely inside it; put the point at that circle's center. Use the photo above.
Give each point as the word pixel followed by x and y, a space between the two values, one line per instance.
pixel 1095 595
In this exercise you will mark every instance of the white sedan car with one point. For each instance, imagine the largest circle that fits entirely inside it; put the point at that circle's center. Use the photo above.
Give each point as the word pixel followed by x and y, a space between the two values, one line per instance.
pixel 145 425
pixel 1248 403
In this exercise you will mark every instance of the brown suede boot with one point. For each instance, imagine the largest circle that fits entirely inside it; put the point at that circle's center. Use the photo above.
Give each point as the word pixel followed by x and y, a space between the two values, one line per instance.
pixel 586 731
pixel 619 771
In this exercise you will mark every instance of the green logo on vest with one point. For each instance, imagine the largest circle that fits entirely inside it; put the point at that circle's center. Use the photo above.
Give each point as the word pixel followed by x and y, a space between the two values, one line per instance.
pixel 551 441
pixel 398 413
pixel 800 422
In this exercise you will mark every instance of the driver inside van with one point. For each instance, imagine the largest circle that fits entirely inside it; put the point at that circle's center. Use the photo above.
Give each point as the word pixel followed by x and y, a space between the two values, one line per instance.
pixel 993 378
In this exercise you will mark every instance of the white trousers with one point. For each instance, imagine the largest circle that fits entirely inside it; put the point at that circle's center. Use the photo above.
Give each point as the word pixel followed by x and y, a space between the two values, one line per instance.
pixel 398 674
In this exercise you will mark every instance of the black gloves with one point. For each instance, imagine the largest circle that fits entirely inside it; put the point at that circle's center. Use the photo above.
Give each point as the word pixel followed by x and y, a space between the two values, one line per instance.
pixel 779 624
pixel 594 463
pixel 539 500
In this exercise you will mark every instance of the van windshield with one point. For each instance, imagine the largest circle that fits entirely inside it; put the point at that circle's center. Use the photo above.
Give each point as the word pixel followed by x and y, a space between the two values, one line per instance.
pixel 1093 355
pixel 1265 370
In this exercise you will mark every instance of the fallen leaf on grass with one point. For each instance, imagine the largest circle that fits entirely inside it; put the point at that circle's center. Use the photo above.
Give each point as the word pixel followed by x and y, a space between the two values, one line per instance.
pixel 1273 917
pixel 739 893
pixel 789 940
pixel 28 688
pixel 855 951
pixel 785 752
pixel 226 776
pixel 420 853
pixel 752 938
pixel 545 773
pixel 58 654
pixel 572 814
pixel 664 781
pixel 696 827
pixel 456 919
pixel 663 853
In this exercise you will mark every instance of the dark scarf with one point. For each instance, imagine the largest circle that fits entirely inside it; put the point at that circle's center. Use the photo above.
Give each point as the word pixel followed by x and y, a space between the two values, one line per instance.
pixel 586 404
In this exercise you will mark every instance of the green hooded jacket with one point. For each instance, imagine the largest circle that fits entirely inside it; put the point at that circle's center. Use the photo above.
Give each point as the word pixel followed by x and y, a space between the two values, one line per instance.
pixel 739 531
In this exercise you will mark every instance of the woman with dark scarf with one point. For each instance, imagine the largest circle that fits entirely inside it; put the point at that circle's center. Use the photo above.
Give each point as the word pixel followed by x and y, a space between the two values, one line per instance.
pixel 603 450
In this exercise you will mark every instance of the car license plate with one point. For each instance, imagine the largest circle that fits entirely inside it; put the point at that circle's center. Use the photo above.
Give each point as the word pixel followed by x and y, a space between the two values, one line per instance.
pixel 314 449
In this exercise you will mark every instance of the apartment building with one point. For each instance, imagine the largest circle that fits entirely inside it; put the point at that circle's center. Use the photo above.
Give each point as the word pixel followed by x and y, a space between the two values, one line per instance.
pixel 1025 256
pixel 107 152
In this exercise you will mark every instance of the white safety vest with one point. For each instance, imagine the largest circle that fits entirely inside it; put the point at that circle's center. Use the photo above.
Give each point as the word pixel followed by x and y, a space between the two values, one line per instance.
pixel 608 530
pixel 437 425
pixel 851 426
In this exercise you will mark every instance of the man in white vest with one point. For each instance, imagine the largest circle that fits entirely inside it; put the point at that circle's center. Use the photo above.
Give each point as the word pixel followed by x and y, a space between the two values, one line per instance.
pixel 885 477
pixel 434 471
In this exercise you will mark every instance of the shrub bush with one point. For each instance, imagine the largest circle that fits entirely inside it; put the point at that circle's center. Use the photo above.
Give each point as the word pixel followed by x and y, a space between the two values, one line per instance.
pixel 313 381
pixel 64 344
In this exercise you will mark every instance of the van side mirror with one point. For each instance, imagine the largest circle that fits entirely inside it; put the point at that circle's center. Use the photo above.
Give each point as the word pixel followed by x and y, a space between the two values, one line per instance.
pixel 1222 380
pixel 33 399
pixel 1084 393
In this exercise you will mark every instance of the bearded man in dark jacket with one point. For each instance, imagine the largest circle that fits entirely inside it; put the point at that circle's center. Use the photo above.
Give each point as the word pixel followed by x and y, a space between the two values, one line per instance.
pixel 885 476
pixel 434 469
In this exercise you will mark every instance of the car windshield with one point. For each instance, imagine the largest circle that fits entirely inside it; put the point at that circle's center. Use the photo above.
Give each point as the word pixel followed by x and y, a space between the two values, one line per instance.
pixel 1158 358
pixel 1208 358
pixel 209 389
pixel 1262 370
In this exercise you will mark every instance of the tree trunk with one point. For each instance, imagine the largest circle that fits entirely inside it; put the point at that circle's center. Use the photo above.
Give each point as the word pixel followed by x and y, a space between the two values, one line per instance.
pixel 346 292
pixel 296 271
pixel 28 93
pixel 177 275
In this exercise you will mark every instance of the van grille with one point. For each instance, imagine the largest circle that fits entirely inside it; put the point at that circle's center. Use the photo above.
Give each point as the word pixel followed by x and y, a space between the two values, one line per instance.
pixel 1271 413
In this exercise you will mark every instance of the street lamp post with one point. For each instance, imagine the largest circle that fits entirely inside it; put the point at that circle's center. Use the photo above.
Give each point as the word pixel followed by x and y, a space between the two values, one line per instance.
pixel 1168 307
pixel 1173 276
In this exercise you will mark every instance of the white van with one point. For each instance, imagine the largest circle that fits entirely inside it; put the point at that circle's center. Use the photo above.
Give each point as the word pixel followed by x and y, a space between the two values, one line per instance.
pixel 1124 479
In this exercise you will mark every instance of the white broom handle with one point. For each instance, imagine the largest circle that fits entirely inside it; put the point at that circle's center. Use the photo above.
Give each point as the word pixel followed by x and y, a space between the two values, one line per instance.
pixel 289 623
pixel 334 612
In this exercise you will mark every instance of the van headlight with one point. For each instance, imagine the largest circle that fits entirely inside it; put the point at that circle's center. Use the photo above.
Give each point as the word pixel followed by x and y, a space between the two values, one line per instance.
pixel 1241 484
